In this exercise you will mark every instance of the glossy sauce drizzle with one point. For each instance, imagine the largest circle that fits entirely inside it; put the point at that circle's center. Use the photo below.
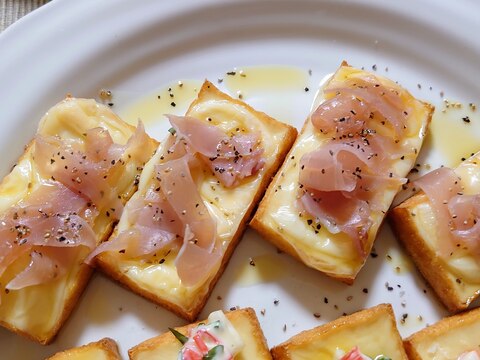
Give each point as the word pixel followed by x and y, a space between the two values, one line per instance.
pixel 454 132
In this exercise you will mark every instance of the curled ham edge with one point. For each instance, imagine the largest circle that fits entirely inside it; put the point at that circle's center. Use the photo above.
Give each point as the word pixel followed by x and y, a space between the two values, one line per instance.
pixel 195 142
pixel 49 255
pixel 328 182
pixel 451 208
pixel 346 182
pixel 49 260
pixel 93 172
pixel 231 158
pixel 355 354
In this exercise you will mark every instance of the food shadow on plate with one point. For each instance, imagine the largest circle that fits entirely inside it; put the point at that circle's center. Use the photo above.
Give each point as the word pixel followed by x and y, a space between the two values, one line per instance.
pixel 107 306
pixel 103 308
pixel 290 290
pixel 286 284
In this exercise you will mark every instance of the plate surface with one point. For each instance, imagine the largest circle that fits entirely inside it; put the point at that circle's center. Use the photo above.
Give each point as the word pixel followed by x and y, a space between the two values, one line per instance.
pixel 137 48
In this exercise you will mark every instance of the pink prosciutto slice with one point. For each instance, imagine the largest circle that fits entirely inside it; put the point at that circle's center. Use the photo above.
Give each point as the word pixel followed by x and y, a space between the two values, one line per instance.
pixel 457 215
pixel 351 218
pixel 93 172
pixel 181 193
pixel 231 158
pixel 49 220
pixel 172 213
pixel 354 354
pixel 379 98
pixel 339 186
pixel 465 214
pixel 331 118
pixel 440 186
pixel 46 264
pixel 350 122
pixel 341 180
pixel 194 263
pixel 334 167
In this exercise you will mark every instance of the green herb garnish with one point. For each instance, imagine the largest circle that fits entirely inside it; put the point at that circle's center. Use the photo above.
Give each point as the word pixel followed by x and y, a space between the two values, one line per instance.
pixel 180 337
pixel 213 352
pixel 172 131
pixel 216 324
pixel 382 357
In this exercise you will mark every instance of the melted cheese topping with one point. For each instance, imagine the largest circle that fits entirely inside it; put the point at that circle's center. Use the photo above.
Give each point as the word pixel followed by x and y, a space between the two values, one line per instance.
pixel 252 349
pixel 373 336
pixel 227 205
pixel 90 353
pixel 461 264
pixel 38 309
pixel 333 253
pixel 450 344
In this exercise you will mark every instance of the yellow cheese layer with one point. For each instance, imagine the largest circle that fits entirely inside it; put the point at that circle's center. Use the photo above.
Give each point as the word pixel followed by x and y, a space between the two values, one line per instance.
pixel 333 253
pixel 227 205
pixel 461 265
pixel 375 336
pixel 451 344
pixel 90 353
pixel 37 309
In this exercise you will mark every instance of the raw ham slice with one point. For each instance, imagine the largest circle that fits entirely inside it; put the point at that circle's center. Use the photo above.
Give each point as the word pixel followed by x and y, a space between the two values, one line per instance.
pixel 135 146
pixel 340 181
pixel 91 172
pixel 341 115
pixel 172 213
pixel 352 217
pixel 458 215
pixel 339 188
pixel 61 162
pixel 50 219
pixel 440 186
pixel 376 96
pixel 334 167
pixel 231 158
pixel 100 148
pixel 156 227
pixel 465 213
pixel 138 242
pixel 372 185
pixel 381 148
pixel 46 264
pixel 181 193
pixel 354 354
pixel 154 211
pixel 194 263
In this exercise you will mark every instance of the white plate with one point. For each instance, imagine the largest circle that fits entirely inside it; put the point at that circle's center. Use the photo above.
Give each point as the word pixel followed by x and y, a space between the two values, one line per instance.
pixel 135 47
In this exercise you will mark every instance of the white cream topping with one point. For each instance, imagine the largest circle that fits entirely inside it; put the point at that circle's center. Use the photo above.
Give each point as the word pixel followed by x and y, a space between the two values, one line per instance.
pixel 224 335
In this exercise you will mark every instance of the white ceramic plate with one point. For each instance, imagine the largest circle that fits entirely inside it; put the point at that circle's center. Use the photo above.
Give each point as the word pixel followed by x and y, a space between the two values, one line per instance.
pixel 138 47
